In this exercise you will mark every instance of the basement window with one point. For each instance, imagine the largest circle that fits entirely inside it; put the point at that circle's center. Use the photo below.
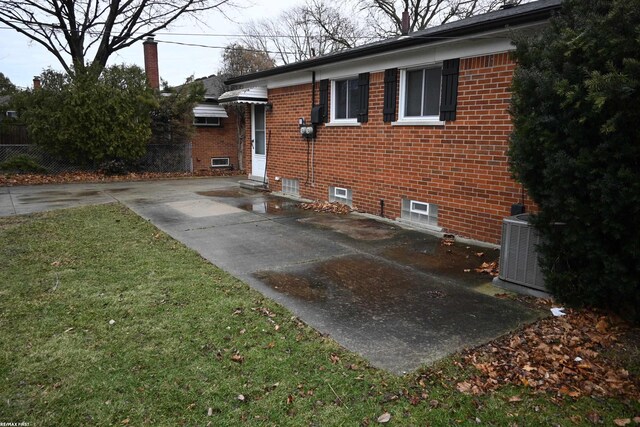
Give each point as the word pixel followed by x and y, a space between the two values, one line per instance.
pixel 420 212
pixel 291 187
pixel 340 195
pixel 220 162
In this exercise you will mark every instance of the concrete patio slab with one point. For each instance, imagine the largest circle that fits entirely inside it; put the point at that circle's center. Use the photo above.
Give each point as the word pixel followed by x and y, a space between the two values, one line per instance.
pixel 398 297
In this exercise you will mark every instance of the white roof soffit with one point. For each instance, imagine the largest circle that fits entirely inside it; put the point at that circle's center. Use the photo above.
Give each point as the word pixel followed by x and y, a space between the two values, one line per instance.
pixel 249 95
pixel 209 110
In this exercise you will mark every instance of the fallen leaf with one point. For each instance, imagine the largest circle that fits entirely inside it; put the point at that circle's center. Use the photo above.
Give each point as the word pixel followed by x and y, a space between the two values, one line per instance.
pixel 594 417
pixel 602 326
pixel 384 418
pixel 622 421
pixel 464 387
pixel 334 358
pixel 479 254
pixel 125 421
pixel 241 397
pixel 513 399
pixel 289 399
pixel 237 358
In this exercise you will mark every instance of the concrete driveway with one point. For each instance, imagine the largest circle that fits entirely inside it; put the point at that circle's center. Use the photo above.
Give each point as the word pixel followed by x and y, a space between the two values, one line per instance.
pixel 396 296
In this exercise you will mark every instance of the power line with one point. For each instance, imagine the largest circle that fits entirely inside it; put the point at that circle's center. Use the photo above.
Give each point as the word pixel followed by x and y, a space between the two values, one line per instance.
pixel 220 47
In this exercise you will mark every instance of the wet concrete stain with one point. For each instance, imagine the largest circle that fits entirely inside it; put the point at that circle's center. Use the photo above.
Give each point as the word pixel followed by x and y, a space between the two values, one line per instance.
pixel 87 193
pixel 270 206
pixel 369 283
pixel 118 190
pixel 457 261
pixel 300 287
pixel 226 193
pixel 356 228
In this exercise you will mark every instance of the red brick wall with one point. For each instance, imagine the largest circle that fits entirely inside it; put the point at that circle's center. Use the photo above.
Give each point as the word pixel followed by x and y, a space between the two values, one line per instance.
pixel 209 141
pixel 461 166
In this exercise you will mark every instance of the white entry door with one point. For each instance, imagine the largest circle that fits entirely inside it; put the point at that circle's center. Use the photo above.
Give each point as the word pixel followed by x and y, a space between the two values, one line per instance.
pixel 258 142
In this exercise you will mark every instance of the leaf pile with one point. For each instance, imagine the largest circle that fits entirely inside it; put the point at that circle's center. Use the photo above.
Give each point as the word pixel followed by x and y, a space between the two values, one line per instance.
pixel 559 355
pixel 9 180
pixel 328 207
pixel 490 268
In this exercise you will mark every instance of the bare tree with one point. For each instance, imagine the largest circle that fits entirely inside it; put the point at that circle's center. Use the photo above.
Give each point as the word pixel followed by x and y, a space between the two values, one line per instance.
pixel 71 29
pixel 385 16
pixel 302 32
pixel 238 60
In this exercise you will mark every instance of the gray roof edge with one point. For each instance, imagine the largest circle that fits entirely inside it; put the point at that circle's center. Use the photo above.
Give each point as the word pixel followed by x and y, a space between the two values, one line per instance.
pixel 522 14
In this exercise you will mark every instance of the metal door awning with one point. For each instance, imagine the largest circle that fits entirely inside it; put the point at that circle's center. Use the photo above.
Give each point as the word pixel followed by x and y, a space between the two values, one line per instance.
pixel 249 95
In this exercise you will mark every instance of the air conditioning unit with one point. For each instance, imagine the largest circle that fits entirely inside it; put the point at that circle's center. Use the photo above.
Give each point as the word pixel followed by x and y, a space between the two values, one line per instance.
pixel 519 267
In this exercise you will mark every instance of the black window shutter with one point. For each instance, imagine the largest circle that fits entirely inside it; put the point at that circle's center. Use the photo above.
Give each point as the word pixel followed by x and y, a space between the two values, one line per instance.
pixel 449 98
pixel 324 98
pixel 363 89
pixel 390 94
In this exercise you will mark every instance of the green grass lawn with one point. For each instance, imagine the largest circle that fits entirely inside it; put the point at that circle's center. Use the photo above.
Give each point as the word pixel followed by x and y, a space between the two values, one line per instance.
pixel 107 321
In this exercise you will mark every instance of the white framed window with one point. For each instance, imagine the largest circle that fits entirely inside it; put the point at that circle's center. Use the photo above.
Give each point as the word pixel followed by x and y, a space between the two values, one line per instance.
pixel 420 94
pixel 220 162
pixel 340 192
pixel 419 207
pixel 345 99
pixel 420 213
pixel 206 121
pixel 341 195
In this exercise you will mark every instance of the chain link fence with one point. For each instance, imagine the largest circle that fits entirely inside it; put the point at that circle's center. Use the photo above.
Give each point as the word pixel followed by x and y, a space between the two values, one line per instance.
pixel 158 158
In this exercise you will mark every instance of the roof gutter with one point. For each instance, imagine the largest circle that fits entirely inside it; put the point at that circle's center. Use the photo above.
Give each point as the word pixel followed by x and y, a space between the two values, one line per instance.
pixel 403 42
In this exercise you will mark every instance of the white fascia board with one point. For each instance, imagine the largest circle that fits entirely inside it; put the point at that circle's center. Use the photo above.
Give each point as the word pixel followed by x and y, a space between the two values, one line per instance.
pixel 477 45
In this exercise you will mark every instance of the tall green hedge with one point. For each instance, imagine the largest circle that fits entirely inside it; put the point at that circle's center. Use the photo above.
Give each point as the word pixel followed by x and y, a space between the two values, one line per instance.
pixel 89 119
pixel 576 148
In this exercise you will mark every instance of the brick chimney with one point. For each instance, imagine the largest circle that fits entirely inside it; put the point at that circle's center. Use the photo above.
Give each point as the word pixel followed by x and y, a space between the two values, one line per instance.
pixel 36 82
pixel 151 62
pixel 405 22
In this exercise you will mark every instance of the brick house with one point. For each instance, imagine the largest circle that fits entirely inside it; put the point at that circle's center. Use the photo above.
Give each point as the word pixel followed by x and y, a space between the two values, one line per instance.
pixel 214 143
pixel 413 128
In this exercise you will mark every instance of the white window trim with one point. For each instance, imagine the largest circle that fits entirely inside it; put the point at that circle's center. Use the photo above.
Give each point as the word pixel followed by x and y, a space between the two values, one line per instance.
pixel 226 165
pixel 333 120
pixel 413 120
pixel 344 191
pixel 412 203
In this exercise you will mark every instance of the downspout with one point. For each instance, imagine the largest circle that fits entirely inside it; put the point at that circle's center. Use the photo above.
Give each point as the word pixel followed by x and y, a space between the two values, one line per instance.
pixel 266 157
pixel 313 141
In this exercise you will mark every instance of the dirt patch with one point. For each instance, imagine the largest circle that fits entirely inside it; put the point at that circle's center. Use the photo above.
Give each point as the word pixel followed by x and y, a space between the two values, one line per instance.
pixel 356 228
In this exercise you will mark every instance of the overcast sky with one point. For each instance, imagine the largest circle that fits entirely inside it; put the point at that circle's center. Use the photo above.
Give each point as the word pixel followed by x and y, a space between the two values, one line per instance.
pixel 21 59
